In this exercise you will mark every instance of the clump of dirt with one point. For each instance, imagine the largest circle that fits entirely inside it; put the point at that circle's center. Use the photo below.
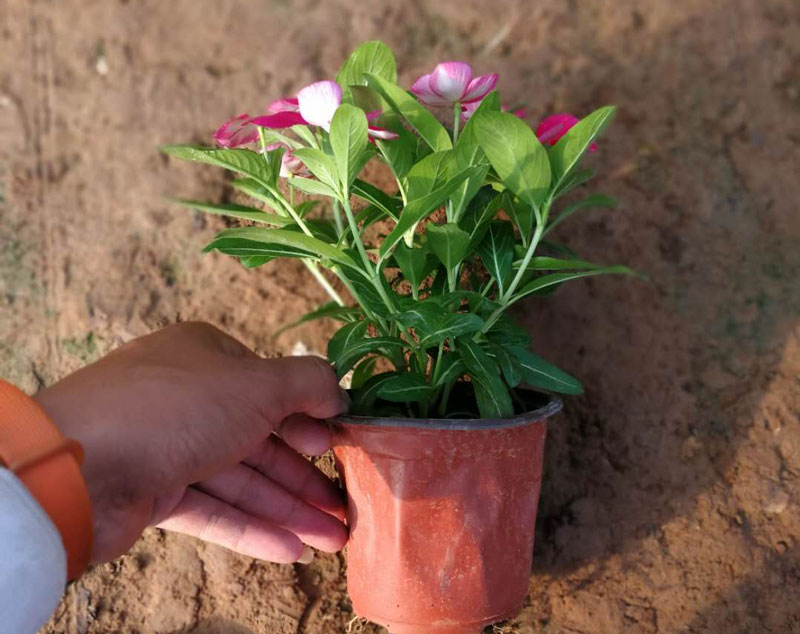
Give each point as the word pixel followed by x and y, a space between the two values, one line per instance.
pixel 670 500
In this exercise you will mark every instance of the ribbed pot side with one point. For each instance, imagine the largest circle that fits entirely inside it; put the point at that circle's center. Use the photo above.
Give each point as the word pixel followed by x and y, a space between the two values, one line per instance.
pixel 441 520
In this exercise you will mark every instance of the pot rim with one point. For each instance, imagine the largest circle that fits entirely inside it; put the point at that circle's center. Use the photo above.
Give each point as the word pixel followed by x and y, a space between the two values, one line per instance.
pixel 552 407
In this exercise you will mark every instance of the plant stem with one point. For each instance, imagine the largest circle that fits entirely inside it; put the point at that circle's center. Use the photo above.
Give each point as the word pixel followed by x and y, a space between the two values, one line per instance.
pixel 337 218
pixel 351 220
pixel 506 299
pixel 312 267
pixel 438 366
pixel 445 397
pixel 456 120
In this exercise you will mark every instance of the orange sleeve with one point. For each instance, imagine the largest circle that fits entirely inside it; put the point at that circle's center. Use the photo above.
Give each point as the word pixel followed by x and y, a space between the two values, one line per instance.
pixel 50 467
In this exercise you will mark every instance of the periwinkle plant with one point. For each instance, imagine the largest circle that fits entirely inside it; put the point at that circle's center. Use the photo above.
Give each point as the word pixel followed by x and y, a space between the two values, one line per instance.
pixel 461 237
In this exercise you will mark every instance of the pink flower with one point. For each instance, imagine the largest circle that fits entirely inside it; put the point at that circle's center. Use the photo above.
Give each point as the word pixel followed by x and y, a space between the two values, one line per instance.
pixel 552 128
pixel 468 109
pixel 452 82
pixel 238 131
pixel 289 104
pixel 315 105
pixel 290 164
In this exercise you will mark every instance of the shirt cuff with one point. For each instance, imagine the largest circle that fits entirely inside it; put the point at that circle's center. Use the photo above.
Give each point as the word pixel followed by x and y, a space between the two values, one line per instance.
pixel 34 568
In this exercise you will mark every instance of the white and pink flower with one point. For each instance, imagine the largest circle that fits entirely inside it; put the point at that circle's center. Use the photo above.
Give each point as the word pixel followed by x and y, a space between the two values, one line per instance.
pixel 452 82
pixel 314 105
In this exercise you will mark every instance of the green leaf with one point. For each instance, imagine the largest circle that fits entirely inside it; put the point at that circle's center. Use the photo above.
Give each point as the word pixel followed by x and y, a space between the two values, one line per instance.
pixel 320 165
pixel 417 116
pixel 321 228
pixel 413 263
pixel 315 188
pixel 304 207
pixel 429 173
pixel 546 263
pixel 452 368
pixel 406 387
pixel 480 212
pixel 540 373
pixel 565 154
pixel 523 215
pixel 350 343
pixel 274 160
pixel 245 162
pixel 284 237
pixel 235 211
pixel 468 152
pixel 542 283
pixel 364 398
pixel 252 261
pixel 505 332
pixel 372 57
pixel 399 153
pixel 515 154
pixel 595 200
pixel 345 339
pixel 331 310
pixel 379 198
pixel 433 323
pixel 366 294
pixel 363 372
pixel 306 134
pixel 417 209
pixel 508 363
pixel 254 189
pixel 496 250
pixel 574 179
pixel 448 243
pixel 493 398
pixel 348 140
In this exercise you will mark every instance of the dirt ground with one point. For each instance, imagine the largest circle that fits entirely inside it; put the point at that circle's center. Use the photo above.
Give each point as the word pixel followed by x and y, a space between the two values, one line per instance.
pixel 671 500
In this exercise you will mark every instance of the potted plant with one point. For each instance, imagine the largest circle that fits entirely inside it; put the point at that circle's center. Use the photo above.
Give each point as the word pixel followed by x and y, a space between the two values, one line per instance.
pixel 442 452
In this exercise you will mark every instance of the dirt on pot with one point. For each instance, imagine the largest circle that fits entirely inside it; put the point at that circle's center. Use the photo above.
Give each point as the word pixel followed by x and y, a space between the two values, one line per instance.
pixel 670 500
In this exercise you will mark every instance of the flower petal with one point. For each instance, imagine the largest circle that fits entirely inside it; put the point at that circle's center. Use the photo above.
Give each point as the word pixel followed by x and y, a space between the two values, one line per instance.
pixel 450 80
pixel 279 120
pixel 468 109
pixel 283 105
pixel 479 87
pixel 291 165
pixel 319 101
pixel 422 89
pixel 238 131
pixel 552 128
pixel 381 133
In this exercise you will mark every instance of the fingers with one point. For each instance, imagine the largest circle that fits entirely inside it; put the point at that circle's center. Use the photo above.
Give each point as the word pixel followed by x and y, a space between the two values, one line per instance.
pixel 215 521
pixel 304 385
pixel 305 435
pixel 278 462
pixel 250 492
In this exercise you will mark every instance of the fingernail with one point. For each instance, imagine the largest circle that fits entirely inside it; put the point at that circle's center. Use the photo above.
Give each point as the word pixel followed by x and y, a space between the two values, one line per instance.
pixel 345 399
pixel 307 556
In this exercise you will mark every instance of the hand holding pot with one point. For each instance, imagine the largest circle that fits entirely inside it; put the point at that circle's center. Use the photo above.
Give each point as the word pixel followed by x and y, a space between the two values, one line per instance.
pixel 177 432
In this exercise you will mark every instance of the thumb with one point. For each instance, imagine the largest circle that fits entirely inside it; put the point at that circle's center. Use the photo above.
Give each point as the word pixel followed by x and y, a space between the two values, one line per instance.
pixel 302 385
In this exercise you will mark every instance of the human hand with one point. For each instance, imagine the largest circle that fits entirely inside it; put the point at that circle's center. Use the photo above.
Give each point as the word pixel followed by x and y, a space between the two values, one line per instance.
pixel 177 432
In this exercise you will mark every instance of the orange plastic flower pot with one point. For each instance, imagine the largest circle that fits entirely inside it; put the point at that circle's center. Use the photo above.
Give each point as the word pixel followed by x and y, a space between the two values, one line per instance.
pixel 441 516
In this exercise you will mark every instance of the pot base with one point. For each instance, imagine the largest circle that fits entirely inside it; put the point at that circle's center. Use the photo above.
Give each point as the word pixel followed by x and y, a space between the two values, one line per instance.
pixel 472 627
pixel 465 628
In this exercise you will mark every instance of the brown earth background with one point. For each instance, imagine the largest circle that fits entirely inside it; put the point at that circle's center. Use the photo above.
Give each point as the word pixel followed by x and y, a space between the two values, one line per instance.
pixel 671 500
